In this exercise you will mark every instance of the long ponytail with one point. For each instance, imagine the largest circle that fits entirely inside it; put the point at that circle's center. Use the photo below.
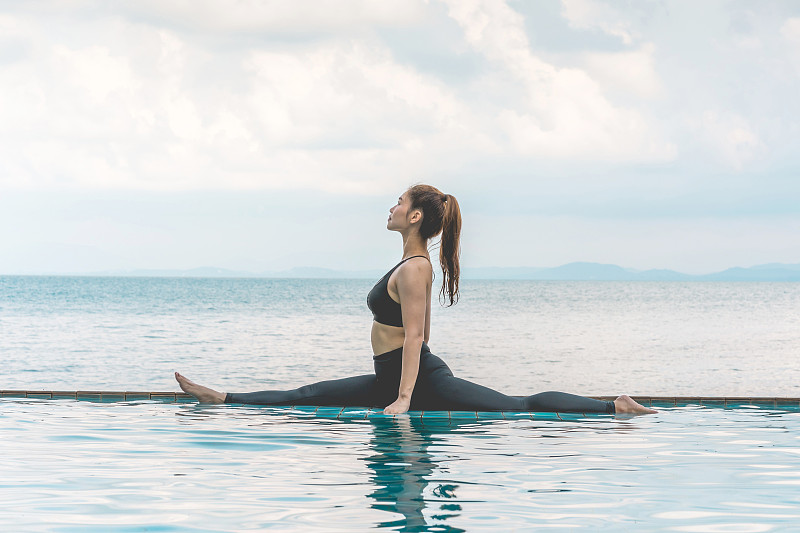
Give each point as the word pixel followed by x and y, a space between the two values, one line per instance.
pixel 450 248
pixel 441 214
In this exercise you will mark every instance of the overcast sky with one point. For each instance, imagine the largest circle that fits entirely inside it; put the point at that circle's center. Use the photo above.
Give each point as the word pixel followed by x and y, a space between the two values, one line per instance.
pixel 270 134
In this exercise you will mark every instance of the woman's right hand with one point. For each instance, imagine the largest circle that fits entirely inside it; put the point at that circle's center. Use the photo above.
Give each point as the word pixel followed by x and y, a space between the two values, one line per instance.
pixel 399 407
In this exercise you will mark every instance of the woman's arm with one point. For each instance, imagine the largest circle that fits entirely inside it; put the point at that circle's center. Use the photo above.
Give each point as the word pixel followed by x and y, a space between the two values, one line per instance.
pixel 413 280
pixel 428 315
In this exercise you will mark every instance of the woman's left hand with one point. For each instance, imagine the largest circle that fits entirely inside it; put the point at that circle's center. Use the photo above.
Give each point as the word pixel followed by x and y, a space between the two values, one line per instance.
pixel 397 408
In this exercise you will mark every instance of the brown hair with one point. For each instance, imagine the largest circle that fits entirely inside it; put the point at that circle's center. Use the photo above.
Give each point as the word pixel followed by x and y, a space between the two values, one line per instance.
pixel 441 214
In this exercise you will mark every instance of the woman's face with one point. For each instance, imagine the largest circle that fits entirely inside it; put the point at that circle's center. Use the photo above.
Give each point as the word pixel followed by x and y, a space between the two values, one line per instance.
pixel 398 214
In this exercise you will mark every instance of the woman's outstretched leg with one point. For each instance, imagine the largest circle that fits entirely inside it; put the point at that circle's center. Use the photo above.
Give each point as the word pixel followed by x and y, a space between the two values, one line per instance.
pixel 462 395
pixel 563 402
pixel 437 388
pixel 357 391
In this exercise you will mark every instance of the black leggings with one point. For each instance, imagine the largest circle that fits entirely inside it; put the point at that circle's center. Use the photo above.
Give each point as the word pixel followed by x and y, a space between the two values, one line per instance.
pixel 436 390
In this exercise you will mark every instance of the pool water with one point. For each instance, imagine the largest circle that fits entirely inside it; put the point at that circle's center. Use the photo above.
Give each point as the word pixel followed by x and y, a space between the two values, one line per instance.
pixel 68 465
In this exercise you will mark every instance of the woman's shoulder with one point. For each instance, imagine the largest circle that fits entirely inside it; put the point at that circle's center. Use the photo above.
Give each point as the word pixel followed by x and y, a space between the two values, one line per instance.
pixel 418 260
pixel 415 266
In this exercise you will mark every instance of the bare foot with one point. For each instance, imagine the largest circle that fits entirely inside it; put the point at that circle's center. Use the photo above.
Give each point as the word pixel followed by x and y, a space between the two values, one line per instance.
pixel 624 405
pixel 203 394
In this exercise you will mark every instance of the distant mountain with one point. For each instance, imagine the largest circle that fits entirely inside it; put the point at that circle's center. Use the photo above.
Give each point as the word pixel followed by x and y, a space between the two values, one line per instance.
pixel 200 272
pixel 580 271
pixel 501 272
pixel 323 273
pixel 605 272
pixel 771 272
pixel 662 275
pixel 586 271
pixel 576 272
pixel 215 272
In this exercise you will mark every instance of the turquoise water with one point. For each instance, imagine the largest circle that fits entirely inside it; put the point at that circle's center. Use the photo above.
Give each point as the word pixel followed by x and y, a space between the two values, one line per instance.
pixel 148 466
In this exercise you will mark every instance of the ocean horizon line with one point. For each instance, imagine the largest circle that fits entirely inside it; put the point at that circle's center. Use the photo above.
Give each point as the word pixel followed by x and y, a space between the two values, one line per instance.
pixel 575 271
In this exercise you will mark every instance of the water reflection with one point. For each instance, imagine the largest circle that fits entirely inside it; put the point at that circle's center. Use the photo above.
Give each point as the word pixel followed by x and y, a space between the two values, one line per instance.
pixel 408 464
pixel 421 474
pixel 402 473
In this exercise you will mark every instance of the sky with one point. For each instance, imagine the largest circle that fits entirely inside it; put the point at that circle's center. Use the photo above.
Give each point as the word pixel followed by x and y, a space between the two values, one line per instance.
pixel 266 135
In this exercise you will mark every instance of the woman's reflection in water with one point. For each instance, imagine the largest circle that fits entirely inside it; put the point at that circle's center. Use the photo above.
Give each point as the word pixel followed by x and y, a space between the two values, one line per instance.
pixel 402 468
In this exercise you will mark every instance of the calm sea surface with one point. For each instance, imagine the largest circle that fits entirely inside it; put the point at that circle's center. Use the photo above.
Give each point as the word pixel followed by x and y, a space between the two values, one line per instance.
pixel 519 337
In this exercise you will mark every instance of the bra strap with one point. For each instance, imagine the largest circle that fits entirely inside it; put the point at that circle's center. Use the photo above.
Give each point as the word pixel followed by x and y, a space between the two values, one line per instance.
pixel 412 257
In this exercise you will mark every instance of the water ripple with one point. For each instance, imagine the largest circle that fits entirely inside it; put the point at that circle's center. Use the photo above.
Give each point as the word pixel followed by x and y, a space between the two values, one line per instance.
pixel 69 465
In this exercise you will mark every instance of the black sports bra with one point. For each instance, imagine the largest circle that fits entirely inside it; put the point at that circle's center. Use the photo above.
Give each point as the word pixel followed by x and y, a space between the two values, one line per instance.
pixel 384 309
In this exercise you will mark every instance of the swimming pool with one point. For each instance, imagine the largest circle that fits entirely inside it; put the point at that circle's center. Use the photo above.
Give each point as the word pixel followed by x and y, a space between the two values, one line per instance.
pixel 148 465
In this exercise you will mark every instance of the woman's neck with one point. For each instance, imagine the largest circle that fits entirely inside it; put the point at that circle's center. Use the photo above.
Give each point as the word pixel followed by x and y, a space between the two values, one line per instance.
pixel 414 245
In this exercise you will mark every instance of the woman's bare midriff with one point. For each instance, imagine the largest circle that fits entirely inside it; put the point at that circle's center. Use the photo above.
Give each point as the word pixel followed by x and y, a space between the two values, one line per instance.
pixel 386 338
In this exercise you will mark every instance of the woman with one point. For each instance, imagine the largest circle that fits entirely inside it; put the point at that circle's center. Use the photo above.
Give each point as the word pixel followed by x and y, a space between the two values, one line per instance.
pixel 407 375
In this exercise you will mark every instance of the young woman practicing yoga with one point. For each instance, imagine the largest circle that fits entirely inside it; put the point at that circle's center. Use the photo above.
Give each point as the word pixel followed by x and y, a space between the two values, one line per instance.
pixel 407 375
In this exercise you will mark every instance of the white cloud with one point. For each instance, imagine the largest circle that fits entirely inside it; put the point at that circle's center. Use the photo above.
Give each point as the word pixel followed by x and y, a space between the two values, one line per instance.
pixel 280 16
pixel 339 112
pixel 345 93
pixel 595 14
pixel 563 112
pixel 731 138
pixel 632 72
pixel 333 114
pixel 790 29
pixel 95 72
pixel 124 100
pixel 749 43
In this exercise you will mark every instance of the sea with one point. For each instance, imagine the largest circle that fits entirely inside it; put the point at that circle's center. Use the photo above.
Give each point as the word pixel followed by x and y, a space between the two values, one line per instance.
pixel 519 337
